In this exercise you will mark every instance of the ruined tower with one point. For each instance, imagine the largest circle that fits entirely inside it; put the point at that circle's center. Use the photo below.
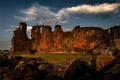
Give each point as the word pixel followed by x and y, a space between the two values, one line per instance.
pixel 20 41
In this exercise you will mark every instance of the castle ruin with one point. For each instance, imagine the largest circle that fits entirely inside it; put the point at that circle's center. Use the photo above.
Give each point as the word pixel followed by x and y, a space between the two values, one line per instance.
pixel 44 40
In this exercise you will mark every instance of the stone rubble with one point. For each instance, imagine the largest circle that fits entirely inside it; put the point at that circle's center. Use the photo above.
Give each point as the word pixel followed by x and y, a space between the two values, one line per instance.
pixel 94 67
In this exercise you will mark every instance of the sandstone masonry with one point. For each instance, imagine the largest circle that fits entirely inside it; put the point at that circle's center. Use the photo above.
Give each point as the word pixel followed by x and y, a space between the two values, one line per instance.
pixel 44 40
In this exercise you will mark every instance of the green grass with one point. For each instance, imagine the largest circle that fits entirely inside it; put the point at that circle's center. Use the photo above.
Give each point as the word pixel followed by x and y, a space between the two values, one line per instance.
pixel 58 58
pixel 55 58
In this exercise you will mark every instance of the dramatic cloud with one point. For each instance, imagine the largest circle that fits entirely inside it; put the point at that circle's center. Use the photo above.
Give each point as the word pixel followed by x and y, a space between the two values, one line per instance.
pixel 90 9
pixel 38 14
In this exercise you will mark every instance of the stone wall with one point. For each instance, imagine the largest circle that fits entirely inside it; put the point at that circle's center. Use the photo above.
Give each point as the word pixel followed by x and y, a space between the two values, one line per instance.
pixel 80 39
pixel 83 38
pixel 46 40
pixel 115 32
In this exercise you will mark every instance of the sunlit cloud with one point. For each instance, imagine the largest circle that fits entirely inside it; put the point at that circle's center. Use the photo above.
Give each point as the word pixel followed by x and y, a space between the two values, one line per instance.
pixel 38 14
pixel 91 9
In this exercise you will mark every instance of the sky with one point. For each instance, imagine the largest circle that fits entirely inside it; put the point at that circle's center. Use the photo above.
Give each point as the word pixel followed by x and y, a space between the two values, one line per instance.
pixel 67 13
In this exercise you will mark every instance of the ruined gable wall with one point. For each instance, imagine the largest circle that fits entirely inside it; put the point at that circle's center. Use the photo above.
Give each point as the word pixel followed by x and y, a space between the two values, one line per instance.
pixel 35 38
pixel 50 41
pixel 45 42
pixel 83 38
pixel 41 38
pixel 57 38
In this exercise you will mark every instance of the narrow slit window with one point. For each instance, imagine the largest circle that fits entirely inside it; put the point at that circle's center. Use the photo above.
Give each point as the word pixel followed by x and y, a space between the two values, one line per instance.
pixel 78 32
pixel 46 36
pixel 56 35
pixel 40 29
pixel 87 32
pixel 19 43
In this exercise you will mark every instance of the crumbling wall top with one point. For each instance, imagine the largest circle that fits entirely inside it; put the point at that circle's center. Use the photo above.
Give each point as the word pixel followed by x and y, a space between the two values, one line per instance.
pixel 58 28
pixel 22 26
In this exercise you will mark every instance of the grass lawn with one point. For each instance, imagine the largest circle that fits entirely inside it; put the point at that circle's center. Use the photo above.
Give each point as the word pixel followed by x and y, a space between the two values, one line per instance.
pixel 55 58
pixel 58 58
